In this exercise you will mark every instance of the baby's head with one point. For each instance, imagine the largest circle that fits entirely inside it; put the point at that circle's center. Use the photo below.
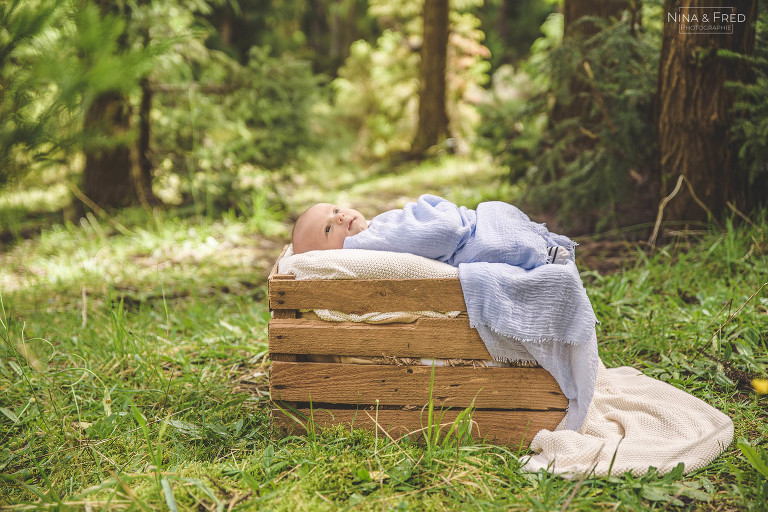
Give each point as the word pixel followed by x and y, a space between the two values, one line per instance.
pixel 325 226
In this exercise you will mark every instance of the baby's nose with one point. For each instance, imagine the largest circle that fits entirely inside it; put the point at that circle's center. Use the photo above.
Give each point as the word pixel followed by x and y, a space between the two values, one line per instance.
pixel 340 217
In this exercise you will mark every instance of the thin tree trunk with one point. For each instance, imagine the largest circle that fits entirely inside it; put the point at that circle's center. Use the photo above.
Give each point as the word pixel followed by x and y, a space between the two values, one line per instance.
pixel 337 34
pixel 317 26
pixel 350 29
pixel 502 22
pixel 225 26
pixel 143 178
pixel 433 119
pixel 693 110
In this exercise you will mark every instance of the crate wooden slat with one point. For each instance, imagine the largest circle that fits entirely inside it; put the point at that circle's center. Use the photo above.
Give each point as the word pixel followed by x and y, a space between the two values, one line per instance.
pixel 505 427
pixel 360 296
pixel 427 337
pixel 459 386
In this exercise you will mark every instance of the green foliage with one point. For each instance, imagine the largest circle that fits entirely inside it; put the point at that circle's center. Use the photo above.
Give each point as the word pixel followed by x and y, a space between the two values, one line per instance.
pixel 55 59
pixel 212 116
pixel 319 32
pixel 752 484
pixel 276 108
pixel 376 93
pixel 584 136
pixel 749 130
pixel 216 114
pixel 515 111
pixel 217 121
pixel 511 27
pixel 27 121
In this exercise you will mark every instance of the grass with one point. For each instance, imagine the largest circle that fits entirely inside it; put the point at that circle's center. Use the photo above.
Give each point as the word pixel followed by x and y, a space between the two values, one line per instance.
pixel 133 370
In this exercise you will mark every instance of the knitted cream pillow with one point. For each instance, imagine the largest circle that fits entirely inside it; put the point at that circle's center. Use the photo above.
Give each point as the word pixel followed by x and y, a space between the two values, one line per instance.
pixel 363 264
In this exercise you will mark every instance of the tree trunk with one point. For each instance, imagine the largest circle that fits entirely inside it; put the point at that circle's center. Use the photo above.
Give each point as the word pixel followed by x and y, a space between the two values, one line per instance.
pixel 693 109
pixel 337 34
pixel 433 119
pixel 108 174
pixel 118 173
pixel 315 24
pixel 502 21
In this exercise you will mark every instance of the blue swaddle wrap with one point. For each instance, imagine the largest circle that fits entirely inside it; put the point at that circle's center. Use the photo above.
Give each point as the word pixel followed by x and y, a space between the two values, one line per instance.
pixel 508 289
pixel 438 229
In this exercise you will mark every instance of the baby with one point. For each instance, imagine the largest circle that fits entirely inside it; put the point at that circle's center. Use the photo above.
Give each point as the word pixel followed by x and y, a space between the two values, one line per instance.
pixel 326 226
pixel 433 227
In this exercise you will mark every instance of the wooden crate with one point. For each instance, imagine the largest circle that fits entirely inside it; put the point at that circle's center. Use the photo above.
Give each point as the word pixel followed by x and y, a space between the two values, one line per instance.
pixel 511 404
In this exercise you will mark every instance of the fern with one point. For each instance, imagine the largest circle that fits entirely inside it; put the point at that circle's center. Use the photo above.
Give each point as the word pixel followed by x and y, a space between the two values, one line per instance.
pixel 55 57
pixel 749 130
pixel 21 126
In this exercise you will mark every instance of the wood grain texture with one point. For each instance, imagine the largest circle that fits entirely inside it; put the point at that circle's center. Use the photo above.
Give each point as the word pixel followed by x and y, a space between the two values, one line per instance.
pixel 364 295
pixel 487 388
pixel 283 357
pixel 446 338
pixel 514 428
pixel 282 277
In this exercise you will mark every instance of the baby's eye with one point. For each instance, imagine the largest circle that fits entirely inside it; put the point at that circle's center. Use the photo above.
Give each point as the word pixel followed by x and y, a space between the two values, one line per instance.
pixel 327 229
pixel 335 210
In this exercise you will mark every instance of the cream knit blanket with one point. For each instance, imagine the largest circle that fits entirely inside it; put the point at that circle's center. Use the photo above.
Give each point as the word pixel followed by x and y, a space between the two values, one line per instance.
pixel 363 264
pixel 643 421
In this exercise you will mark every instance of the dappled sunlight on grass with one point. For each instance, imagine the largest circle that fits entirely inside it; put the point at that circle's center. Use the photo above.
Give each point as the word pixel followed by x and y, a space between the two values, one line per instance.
pixel 49 198
pixel 103 252
pixel 17 205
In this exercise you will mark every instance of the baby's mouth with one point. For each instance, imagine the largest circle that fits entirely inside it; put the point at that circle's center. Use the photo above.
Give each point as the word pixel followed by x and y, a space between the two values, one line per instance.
pixel 349 227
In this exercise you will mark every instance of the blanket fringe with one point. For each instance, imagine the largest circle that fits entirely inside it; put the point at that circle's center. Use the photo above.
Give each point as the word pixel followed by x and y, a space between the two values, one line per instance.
pixel 536 340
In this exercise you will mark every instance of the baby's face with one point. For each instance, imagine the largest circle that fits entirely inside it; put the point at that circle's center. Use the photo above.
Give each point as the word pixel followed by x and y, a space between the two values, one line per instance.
pixel 325 226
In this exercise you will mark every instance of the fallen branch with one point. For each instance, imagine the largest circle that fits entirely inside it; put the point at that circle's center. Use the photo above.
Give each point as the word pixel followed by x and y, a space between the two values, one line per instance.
pixel 667 199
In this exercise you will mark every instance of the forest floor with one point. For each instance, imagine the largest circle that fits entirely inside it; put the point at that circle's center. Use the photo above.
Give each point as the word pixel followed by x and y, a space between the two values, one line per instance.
pixel 133 362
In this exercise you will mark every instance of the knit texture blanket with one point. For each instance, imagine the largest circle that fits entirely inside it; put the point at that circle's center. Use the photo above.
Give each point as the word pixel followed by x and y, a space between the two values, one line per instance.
pixel 512 295
pixel 634 423
pixel 362 264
